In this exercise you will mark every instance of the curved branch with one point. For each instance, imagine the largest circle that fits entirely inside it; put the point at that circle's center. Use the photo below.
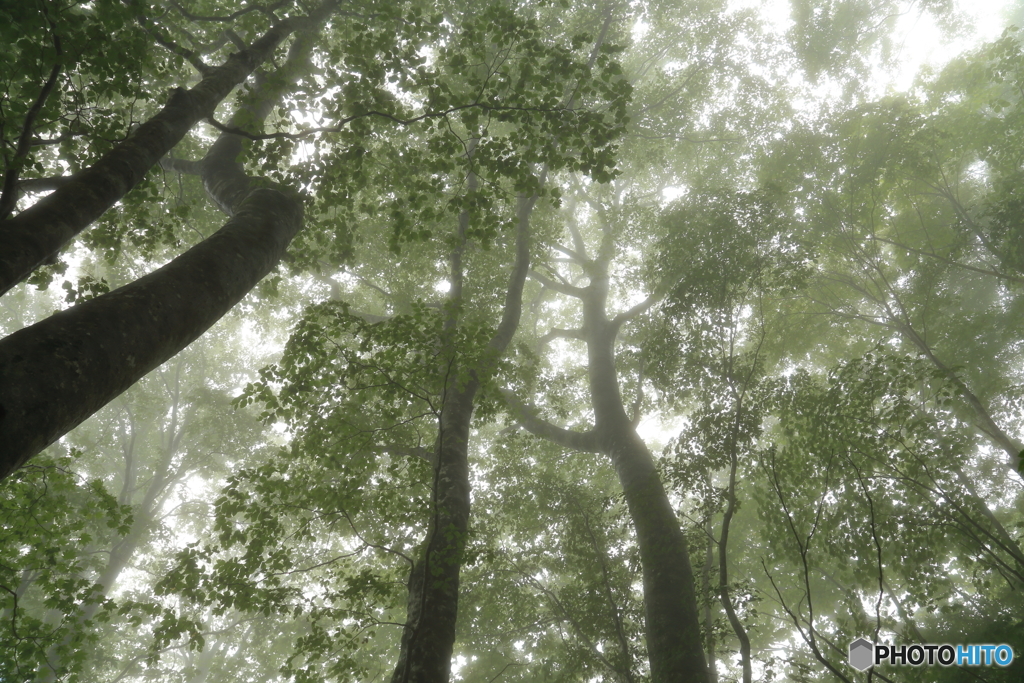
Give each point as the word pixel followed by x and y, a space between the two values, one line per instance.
pixel 186 166
pixel 190 56
pixel 639 309
pixel 574 255
pixel 559 333
pixel 39 232
pixel 527 418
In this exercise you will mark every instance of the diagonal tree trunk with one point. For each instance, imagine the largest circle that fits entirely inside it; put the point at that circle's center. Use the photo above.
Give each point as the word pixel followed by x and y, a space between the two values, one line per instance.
pixel 38 233
pixel 58 372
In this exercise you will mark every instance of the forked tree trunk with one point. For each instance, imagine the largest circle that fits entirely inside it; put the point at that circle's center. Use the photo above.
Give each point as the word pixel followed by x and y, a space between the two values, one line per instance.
pixel 58 372
pixel 428 639
pixel 671 617
pixel 672 620
pixel 39 232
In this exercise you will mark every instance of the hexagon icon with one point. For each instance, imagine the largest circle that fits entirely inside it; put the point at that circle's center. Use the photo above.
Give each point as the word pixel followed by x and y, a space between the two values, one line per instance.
pixel 862 654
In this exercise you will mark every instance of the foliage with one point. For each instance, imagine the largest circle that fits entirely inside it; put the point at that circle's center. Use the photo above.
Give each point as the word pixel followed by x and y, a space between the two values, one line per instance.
pixel 821 330
pixel 48 559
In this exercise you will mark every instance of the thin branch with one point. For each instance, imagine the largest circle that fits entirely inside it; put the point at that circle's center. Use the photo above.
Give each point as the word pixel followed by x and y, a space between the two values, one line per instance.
pixel 189 55
pixel 633 312
pixel 186 166
pixel 949 261
pixel 386 549
pixel 503 670
pixel 559 333
pixel 568 290
pixel 9 194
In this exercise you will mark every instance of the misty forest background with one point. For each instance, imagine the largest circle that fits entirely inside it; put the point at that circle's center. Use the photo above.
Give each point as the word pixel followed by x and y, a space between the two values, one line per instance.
pixel 552 340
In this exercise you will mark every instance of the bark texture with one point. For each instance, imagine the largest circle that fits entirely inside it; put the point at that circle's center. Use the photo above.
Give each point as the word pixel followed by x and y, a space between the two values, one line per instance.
pixel 38 233
pixel 428 639
pixel 58 372
pixel 61 370
pixel 672 621
pixel 429 636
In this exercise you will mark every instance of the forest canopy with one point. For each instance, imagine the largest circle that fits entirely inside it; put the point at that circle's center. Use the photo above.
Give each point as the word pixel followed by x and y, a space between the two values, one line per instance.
pixel 667 342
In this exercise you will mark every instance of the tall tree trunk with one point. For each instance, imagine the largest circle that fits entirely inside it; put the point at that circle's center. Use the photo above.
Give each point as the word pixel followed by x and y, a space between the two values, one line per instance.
pixel 708 590
pixel 670 602
pixel 428 639
pixel 672 620
pixel 429 636
pixel 731 504
pixel 38 233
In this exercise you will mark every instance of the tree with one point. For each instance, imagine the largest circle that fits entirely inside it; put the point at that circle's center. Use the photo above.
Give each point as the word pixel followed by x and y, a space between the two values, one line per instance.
pixel 463 214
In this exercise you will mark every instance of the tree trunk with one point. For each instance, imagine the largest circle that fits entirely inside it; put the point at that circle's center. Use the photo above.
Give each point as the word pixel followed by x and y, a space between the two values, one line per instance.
pixel 58 372
pixel 39 232
pixel 723 548
pixel 709 618
pixel 429 636
pixel 672 619
pixel 670 602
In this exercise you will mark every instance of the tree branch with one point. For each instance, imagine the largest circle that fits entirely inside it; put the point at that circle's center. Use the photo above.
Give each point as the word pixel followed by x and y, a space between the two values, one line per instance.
pixel 39 232
pixel 639 309
pixel 527 418
pixel 190 56
pixel 568 290
pixel 949 261
pixel 559 333
pixel 575 256
pixel 9 194
pixel 513 309
pixel 186 166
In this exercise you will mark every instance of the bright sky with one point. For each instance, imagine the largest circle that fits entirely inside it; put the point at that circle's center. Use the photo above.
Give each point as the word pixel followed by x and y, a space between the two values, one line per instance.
pixel 922 39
